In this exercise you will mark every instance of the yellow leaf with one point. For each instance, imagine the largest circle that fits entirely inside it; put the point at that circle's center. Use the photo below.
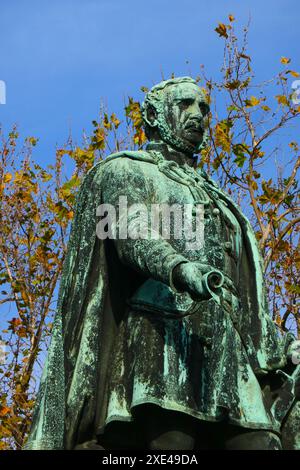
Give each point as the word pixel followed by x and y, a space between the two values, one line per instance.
pixel 231 18
pixel 46 176
pixel 294 145
pixel 116 122
pixel 295 74
pixel 7 178
pixel 222 137
pixel 222 30
pixel 282 100
pixel 254 185
pixel 106 122
pixel 139 137
pixel 285 60
pixel 32 140
pixel 266 108
pixel 252 101
pixel 18 177
pixel 233 85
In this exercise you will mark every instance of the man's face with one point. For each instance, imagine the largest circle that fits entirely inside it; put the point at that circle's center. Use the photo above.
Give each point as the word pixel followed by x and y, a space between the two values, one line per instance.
pixel 185 112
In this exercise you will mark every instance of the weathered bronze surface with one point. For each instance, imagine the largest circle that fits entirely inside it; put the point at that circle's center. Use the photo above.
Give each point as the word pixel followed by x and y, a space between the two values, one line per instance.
pixel 156 344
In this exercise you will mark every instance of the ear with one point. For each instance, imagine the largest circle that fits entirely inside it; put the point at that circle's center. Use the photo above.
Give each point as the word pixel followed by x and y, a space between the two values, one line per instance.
pixel 151 116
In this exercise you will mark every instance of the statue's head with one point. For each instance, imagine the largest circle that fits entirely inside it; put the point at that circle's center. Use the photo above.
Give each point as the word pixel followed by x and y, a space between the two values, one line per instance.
pixel 175 111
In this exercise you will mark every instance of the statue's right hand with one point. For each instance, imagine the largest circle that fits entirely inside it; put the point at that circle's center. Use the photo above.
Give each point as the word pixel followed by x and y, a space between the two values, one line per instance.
pixel 188 277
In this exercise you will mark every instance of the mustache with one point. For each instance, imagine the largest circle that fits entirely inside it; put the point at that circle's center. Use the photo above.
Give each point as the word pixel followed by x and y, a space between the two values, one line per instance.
pixel 196 124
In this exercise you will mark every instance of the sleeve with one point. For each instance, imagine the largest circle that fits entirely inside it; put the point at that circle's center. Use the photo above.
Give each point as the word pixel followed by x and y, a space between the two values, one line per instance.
pixel 128 191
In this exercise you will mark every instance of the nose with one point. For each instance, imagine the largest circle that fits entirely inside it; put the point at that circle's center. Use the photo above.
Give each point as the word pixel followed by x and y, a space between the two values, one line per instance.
pixel 195 113
pixel 195 116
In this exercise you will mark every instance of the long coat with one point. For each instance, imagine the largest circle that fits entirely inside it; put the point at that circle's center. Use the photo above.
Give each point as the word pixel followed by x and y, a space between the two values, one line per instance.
pixel 96 285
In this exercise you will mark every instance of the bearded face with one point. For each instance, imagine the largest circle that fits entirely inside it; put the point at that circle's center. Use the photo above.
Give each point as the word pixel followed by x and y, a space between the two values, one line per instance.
pixel 185 112
pixel 181 116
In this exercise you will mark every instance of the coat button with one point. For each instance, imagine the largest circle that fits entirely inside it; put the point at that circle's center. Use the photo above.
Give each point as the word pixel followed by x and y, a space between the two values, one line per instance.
pixel 216 211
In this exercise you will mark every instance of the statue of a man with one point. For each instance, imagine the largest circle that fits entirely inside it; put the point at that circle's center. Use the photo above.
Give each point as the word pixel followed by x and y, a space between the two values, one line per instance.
pixel 164 342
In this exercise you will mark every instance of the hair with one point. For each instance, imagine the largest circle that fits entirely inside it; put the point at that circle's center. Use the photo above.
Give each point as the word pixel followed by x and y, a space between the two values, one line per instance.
pixel 154 100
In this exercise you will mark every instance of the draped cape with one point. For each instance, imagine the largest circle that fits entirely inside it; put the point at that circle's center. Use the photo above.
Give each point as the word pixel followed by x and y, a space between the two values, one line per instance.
pixel 91 302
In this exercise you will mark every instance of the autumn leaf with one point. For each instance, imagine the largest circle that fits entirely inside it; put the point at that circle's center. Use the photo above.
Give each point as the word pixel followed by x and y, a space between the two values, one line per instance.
pixel 282 100
pixel 32 141
pixel 116 122
pixel 98 138
pixel 22 332
pixel 15 322
pixel 222 135
pixel 294 145
pixel 252 101
pixel 240 151
pixel 217 161
pixel 293 73
pixel 285 60
pixel 7 177
pixel 139 137
pixel 233 85
pixel 231 18
pixel 222 30
pixel 45 176
pixel 4 410
pixel 106 122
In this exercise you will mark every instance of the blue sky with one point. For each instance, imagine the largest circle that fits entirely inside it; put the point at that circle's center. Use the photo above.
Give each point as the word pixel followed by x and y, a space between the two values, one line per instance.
pixel 60 58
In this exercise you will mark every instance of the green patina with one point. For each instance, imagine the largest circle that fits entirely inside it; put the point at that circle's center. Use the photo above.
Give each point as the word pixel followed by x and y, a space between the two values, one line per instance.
pixel 130 329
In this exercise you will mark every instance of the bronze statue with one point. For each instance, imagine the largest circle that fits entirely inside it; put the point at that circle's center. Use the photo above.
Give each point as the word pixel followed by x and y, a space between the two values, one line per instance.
pixel 164 342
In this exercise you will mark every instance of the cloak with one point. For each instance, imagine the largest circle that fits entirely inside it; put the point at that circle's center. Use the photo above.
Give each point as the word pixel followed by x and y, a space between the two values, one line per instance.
pixel 92 299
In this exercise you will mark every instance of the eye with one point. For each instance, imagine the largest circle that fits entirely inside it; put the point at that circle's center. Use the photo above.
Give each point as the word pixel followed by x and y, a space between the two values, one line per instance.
pixel 186 102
